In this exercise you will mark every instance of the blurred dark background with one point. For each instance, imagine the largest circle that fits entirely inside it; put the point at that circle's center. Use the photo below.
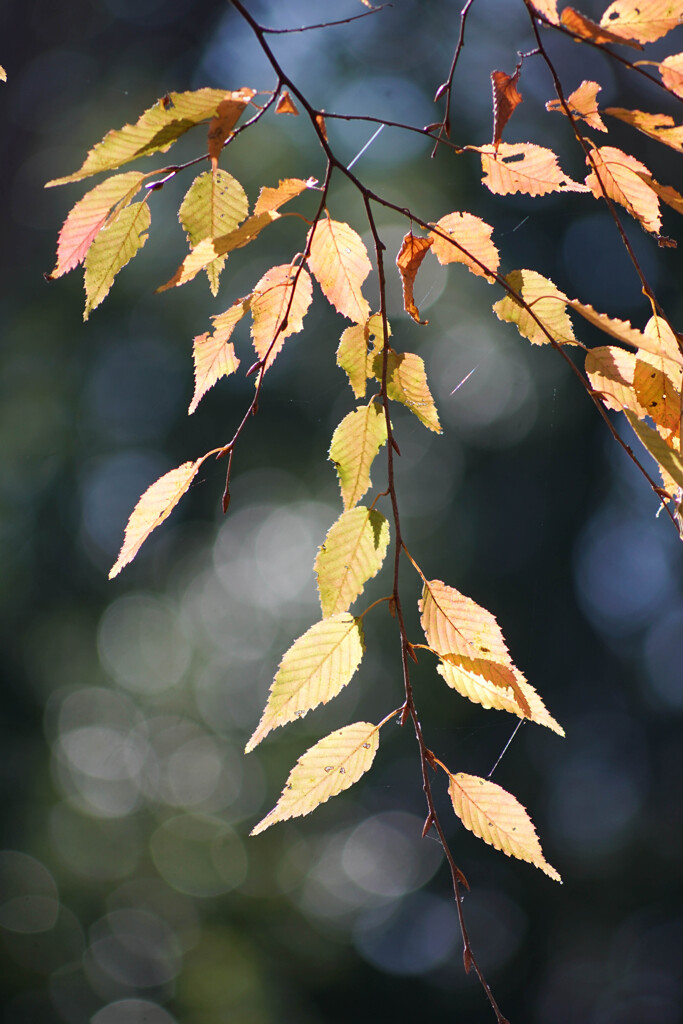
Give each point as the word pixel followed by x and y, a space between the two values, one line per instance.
pixel 130 890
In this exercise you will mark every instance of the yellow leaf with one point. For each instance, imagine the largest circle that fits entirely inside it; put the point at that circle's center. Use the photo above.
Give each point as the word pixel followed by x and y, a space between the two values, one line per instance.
pixel 584 28
pixel 495 816
pixel 409 260
pixel 227 115
pixel 355 443
pixel 667 458
pixel 273 198
pixel 547 8
pixel 657 126
pixel 214 355
pixel 660 397
pixel 206 252
pixel 671 70
pixel 549 306
pixel 214 205
pixel 356 351
pixel 472 238
pixel 155 505
pixel 644 22
pixel 89 216
pixel 661 341
pixel 610 371
pixel 328 768
pixel 279 304
pixel 3 74
pixel 583 104
pixel 339 262
pixel 620 329
pixel 112 249
pixel 314 670
pixel 352 553
pixel 155 131
pixel 620 175
pixel 407 384
pixel 523 167
pixel 481 690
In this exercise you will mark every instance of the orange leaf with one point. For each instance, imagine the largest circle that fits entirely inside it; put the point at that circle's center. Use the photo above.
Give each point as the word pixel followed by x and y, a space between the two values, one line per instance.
pixel 657 126
pixel 582 103
pixel 214 356
pixel 620 329
pixel 657 393
pixel 621 179
pixel 495 816
pixel 273 198
pixel 279 304
pixel 645 22
pixel 285 105
pixel 506 97
pixel 671 70
pixel 583 27
pixel 413 251
pixel 548 8
pixel 610 371
pixel 523 167
pixel 339 262
pixel 471 243
pixel 155 505
pixel 227 115
pixel 320 121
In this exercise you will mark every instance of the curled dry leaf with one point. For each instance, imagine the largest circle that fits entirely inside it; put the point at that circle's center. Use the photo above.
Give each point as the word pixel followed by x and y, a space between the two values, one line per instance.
pixel 506 99
pixel 409 260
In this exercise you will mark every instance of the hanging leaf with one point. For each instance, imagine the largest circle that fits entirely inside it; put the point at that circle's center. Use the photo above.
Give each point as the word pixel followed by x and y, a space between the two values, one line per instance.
pixel 644 22
pixel 112 249
pixel 473 245
pixel 582 104
pixel 285 105
pixel 3 74
pixel 278 307
pixel 662 342
pixel 506 98
pixel 356 351
pixel 482 691
pixel 413 250
pixel 666 193
pixel 339 262
pixel 671 70
pixel 355 443
pixel 329 767
pixel 213 206
pixel 495 816
pixel 351 554
pixel 228 113
pixel 661 127
pixel 549 306
pixel 89 216
pixel 523 167
pixel 273 198
pixel 658 394
pixel 620 329
pixel 620 175
pixel 667 458
pixel 548 8
pixel 155 505
pixel 213 354
pixel 611 371
pixel 407 384
pixel 155 131
pixel 314 670
pixel 584 28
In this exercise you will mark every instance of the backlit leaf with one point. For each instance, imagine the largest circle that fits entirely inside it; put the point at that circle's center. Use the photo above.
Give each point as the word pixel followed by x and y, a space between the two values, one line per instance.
pixel 645 22
pixel 620 329
pixel 671 70
pixel 273 198
pixel 661 127
pixel 506 98
pixel 155 505
pixel 112 249
pixel 89 216
pixel 481 690
pixel 278 307
pixel 314 670
pixel 3 74
pixel 662 342
pixel 413 250
pixel 352 553
pixel 497 817
pixel 339 262
pixel 213 354
pixel 669 459
pixel 666 193
pixel 547 8
pixel 659 396
pixel 523 167
pixel 155 131
pixel 610 370
pixel 355 443
pixel 473 245
pixel 328 768
pixel 549 306
pixel 583 104
pixel 583 27
pixel 407 383
pixel 285 105
pixel 620 175
pixel 227 115
pixel 213 206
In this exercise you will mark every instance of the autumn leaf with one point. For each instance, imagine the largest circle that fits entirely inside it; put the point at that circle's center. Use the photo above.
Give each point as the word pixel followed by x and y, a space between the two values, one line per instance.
pixel 89 216
pixel 671 70
pixel 620 176
pixel 523 167
pixel 495 816
pixel 155 505
pixel 658 394
pixel 548 8
pixel 213 354
pixel 549 306
pixel 273 198
pixel 285 105
pixel 279 304
pixel 354 445
pixel 611 370
pixel 213 206
pixel 154 131
pixel 620 329
pixel 471 243
pixel 227 115
pixel 413 250
pixel 481 690
pixel 356 352
pixel 112 249
pixel 583 104
pixel 667 457
pixel 661 341
pixel 351 554
pixel 644 22
pixel 407 384
pixel 666 193
pixel 339 262
pixel 3 74
pixel 657 126
pixel 506 98
pixel 329 767
pixel 583 27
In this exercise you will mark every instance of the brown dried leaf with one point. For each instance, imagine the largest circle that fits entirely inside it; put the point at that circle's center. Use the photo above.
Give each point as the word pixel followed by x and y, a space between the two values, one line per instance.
pixel 506 98
pixel 413 251
pixel 227 115
pixel 285 105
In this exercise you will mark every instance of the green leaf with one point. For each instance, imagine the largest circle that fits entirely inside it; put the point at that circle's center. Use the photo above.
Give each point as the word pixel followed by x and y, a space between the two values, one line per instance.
pixel 329 767
pixel 407 384
pixel 355 443
pixel 213 206
pixel 548 303
pixel 352 553
pixel 314 670
pixel 154 131
pixel 115 246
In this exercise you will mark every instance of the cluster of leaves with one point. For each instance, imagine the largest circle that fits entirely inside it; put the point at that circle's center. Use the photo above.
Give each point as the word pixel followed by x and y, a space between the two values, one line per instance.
pixel 640 371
